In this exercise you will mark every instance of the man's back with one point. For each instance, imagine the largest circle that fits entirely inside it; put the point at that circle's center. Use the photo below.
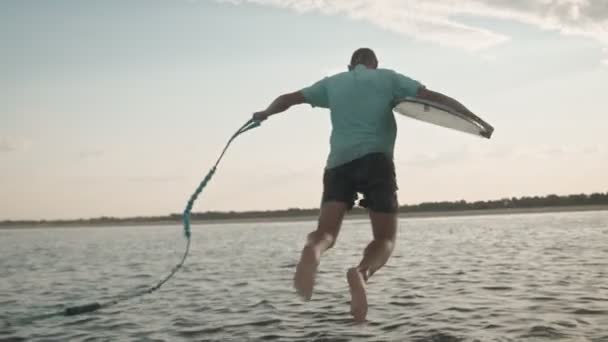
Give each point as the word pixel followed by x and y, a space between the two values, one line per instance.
pixel 361 103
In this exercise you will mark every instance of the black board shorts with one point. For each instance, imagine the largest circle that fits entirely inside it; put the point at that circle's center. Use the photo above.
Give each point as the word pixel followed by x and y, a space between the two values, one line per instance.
pixel 372 175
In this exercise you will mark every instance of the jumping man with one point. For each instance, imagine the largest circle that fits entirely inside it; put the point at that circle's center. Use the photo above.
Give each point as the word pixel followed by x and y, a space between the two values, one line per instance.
pixel 360 161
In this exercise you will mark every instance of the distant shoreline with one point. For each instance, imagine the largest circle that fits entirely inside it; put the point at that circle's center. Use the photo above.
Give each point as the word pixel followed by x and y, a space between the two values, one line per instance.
pixel 428 214
pixel 356 216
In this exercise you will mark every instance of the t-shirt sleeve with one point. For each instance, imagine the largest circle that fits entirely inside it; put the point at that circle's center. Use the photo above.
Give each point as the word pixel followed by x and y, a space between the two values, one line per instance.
pixel 405 86
pixel 316 94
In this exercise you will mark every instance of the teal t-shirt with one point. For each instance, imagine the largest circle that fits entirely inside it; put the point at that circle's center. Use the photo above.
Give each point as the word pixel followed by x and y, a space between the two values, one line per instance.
pixel 361 104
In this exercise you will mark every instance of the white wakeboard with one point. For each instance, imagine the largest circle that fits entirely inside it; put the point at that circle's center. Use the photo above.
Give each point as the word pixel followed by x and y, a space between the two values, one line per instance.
pixel 443 116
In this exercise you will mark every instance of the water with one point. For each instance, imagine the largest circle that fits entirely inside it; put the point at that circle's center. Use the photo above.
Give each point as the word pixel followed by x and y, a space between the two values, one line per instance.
pixel 534 277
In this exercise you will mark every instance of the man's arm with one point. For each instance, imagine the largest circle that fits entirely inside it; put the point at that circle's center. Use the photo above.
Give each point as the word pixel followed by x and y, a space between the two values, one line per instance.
pixel 433 96
pixel 280 104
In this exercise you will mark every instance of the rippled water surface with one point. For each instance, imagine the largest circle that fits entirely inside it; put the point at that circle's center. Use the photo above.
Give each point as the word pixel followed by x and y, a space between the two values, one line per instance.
pixel 533 277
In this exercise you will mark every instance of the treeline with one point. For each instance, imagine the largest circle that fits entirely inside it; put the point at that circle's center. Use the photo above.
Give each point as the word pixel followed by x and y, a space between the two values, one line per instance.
pixel 514 202
pixel 445 206
pixel 103 220
pixel 223 215
pixel 462 205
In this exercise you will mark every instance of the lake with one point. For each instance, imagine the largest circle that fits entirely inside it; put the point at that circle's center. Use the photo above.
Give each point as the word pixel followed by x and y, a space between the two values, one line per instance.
pixel 525 277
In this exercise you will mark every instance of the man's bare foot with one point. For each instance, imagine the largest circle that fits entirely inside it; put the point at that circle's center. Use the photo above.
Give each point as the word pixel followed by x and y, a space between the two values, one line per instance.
pixel 358 301
pixel 306 270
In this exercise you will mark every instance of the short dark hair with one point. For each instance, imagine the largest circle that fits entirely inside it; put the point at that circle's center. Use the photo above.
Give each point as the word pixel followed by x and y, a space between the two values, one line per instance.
pixel 364 56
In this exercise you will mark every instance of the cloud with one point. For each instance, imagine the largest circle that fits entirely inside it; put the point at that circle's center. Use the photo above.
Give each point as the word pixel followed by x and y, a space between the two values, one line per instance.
pixel 120 180
pixel 437 21
pixel 493 153
pixel 90 154
pixel 154 179
pixel 498 151
pixel 10 144
pixel 431 160
pixel 547 152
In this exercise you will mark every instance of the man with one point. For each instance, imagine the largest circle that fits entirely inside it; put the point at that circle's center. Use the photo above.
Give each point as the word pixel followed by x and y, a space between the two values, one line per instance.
pixel 360 161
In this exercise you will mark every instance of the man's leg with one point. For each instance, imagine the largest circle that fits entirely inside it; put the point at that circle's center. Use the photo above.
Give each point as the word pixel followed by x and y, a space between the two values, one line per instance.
pixel 376 254
pixel 330 221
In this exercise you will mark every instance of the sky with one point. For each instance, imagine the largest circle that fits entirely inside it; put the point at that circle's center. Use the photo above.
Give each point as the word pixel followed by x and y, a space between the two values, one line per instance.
pixel 119 108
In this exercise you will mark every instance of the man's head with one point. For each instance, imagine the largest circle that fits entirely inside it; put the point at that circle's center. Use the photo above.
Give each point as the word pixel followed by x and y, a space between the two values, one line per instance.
pixel 363 56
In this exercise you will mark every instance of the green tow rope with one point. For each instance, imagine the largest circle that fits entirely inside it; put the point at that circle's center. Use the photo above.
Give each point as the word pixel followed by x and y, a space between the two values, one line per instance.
pixel 76 310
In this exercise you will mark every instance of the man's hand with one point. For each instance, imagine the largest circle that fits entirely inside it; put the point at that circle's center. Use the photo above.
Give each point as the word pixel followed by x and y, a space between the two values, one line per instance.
pixel 260 116
pixel 280 104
